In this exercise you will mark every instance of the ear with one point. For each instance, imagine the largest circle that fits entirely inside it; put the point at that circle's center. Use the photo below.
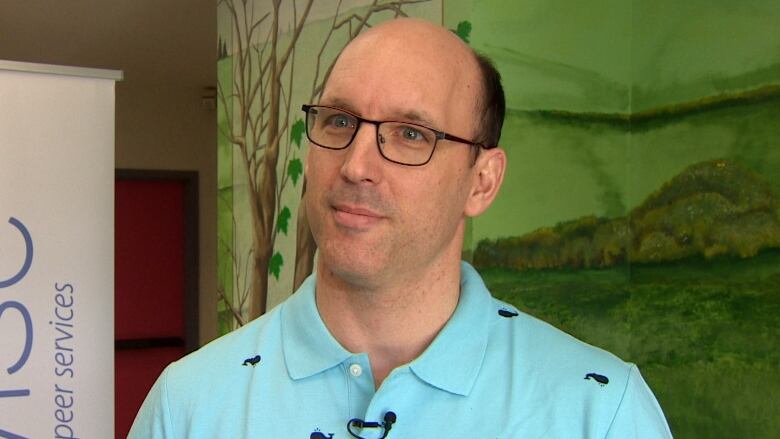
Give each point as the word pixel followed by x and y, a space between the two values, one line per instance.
pixel 488 174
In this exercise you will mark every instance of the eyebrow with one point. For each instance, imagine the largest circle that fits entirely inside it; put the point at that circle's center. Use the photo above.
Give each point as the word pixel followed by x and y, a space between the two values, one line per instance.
pixel 412 116
pixel 339 103
pixel 418 118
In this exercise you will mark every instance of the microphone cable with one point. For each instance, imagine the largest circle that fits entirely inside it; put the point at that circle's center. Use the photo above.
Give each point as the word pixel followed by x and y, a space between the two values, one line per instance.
pixel 386 424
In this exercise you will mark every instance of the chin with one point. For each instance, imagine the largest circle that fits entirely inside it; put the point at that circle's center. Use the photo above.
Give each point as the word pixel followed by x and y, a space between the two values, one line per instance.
pixel 351 265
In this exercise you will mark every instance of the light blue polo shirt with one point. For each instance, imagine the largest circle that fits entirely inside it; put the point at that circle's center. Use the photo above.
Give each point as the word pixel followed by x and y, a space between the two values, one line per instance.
pixel 492 372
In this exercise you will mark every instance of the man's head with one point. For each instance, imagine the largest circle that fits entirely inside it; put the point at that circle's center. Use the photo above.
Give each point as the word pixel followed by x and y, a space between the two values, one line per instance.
pixel 375 220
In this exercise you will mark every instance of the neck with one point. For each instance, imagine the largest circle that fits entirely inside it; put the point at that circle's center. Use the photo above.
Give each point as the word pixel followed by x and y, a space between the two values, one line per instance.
pixel 392 322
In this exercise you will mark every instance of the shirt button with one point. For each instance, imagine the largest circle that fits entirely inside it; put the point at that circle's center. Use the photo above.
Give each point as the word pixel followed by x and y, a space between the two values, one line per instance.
pixel 355 370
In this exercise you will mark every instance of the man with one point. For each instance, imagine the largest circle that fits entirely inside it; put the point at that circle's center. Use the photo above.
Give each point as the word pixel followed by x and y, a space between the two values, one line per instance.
pixel 394 336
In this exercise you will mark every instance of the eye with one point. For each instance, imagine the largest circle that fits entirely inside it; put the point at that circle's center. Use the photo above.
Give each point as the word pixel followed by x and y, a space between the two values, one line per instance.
pixel 340 121
pixel 412 134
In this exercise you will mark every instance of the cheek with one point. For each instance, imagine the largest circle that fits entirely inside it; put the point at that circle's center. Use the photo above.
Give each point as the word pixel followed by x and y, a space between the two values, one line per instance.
pixel 320 169
pixel 437 205
pixel 317 183
pixel 457 191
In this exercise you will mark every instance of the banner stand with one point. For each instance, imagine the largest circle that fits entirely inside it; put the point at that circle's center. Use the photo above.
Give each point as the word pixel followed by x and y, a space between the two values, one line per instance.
pixel 56 251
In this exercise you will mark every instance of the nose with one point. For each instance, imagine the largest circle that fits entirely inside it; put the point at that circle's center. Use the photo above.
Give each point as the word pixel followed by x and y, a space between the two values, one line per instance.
pixel 362 162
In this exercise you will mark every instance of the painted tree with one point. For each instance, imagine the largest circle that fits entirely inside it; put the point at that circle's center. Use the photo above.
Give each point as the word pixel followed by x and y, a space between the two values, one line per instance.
pixel 266 137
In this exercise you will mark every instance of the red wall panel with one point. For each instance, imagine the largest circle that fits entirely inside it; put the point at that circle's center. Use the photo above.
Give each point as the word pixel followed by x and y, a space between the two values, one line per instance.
pixel 149 288
pixel 149 280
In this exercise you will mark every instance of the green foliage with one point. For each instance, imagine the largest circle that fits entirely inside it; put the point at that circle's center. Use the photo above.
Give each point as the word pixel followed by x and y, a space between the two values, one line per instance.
pixel 295 169
pixel 296 132
pixel 275 265
pixel 283 220
pixel 737 185
pixel 710 209
pixel 464 31
pixel 703 332
pixel 589 242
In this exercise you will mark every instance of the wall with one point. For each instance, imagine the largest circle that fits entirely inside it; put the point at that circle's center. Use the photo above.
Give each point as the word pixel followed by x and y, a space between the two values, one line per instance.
pixel 640 210
pixel 651 230
pixel 167 51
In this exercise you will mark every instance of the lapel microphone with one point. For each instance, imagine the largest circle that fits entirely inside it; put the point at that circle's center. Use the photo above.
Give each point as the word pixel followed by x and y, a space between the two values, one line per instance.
pixel 386 425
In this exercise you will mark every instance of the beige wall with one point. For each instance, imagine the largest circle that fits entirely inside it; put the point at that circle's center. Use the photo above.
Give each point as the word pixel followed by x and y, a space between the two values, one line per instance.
pixel 167 51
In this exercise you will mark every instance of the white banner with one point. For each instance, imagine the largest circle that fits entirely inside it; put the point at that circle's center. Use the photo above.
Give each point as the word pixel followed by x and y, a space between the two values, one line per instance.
pixel 56 252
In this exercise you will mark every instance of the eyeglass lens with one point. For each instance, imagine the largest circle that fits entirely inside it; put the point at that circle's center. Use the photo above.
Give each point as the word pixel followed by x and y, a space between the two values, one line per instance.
pixel 398 142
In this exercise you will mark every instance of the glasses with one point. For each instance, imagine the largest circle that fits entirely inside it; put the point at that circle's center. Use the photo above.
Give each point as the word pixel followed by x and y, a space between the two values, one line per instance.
pixel 399 142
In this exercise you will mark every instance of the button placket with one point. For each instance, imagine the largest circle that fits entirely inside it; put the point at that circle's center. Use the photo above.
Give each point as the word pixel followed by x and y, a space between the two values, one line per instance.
pixel 360 384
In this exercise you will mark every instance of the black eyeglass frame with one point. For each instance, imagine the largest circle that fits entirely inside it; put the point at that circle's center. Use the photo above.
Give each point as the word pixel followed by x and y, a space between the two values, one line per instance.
pixel 439 135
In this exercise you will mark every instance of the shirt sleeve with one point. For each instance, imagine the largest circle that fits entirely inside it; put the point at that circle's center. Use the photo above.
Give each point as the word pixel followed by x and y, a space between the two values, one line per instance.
pixel 638 416
pixel 153 420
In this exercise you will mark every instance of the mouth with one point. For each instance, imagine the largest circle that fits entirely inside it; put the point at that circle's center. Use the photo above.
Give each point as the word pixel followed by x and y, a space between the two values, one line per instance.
pixel 354 216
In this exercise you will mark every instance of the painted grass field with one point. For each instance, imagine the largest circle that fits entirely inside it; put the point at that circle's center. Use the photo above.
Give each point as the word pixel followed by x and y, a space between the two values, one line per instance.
pixel 705 334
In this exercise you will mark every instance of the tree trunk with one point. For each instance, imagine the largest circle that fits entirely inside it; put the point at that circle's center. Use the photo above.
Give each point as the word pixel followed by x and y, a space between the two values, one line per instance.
pixel 266 188
pixel 304 243
pixel 261 254
pixel 259 277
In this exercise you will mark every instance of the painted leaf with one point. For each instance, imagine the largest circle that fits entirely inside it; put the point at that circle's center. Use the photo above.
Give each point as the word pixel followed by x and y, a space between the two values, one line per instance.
pixel 295 169
pixel 464 30
pixel 296 132
pixel 275 265
pixel 283 220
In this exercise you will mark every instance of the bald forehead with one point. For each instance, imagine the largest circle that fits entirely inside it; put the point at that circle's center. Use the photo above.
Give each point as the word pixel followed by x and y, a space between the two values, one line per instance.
pixel 421 33
pixel 439 46
pixel 428 62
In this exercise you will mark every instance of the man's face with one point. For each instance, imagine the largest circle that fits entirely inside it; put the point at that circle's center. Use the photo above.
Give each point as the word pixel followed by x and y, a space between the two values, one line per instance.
pixel 376 221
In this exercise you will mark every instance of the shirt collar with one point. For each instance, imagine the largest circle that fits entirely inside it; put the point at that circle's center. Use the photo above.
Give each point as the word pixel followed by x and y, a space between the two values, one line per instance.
pixel 454 358
pixel 451 363
pixel 309 348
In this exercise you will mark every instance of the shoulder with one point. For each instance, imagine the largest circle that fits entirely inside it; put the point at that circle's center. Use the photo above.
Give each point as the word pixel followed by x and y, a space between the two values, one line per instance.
pixel 210 366
pixel 538 342
pixel 566 378
pixel 192 394
pixel 533 351
pixel 547 354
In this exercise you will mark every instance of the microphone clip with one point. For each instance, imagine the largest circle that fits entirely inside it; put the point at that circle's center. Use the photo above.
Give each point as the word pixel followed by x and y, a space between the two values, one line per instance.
pixel 386 425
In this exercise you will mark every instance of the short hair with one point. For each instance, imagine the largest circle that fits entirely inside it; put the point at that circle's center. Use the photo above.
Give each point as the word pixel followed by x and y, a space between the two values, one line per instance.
pixel 491 105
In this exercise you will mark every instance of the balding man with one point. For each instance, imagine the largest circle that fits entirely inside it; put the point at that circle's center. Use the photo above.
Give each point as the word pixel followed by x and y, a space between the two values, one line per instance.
pixel 394 336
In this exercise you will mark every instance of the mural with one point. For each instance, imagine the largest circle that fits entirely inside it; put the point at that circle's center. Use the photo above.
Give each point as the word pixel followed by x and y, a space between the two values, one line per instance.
pixel 641 208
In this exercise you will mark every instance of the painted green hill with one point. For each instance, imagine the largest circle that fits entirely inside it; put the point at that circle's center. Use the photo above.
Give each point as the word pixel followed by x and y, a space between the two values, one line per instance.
pixel 710 209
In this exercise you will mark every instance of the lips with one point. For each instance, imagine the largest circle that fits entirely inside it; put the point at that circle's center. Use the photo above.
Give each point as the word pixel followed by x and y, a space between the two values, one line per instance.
pixel 354 216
